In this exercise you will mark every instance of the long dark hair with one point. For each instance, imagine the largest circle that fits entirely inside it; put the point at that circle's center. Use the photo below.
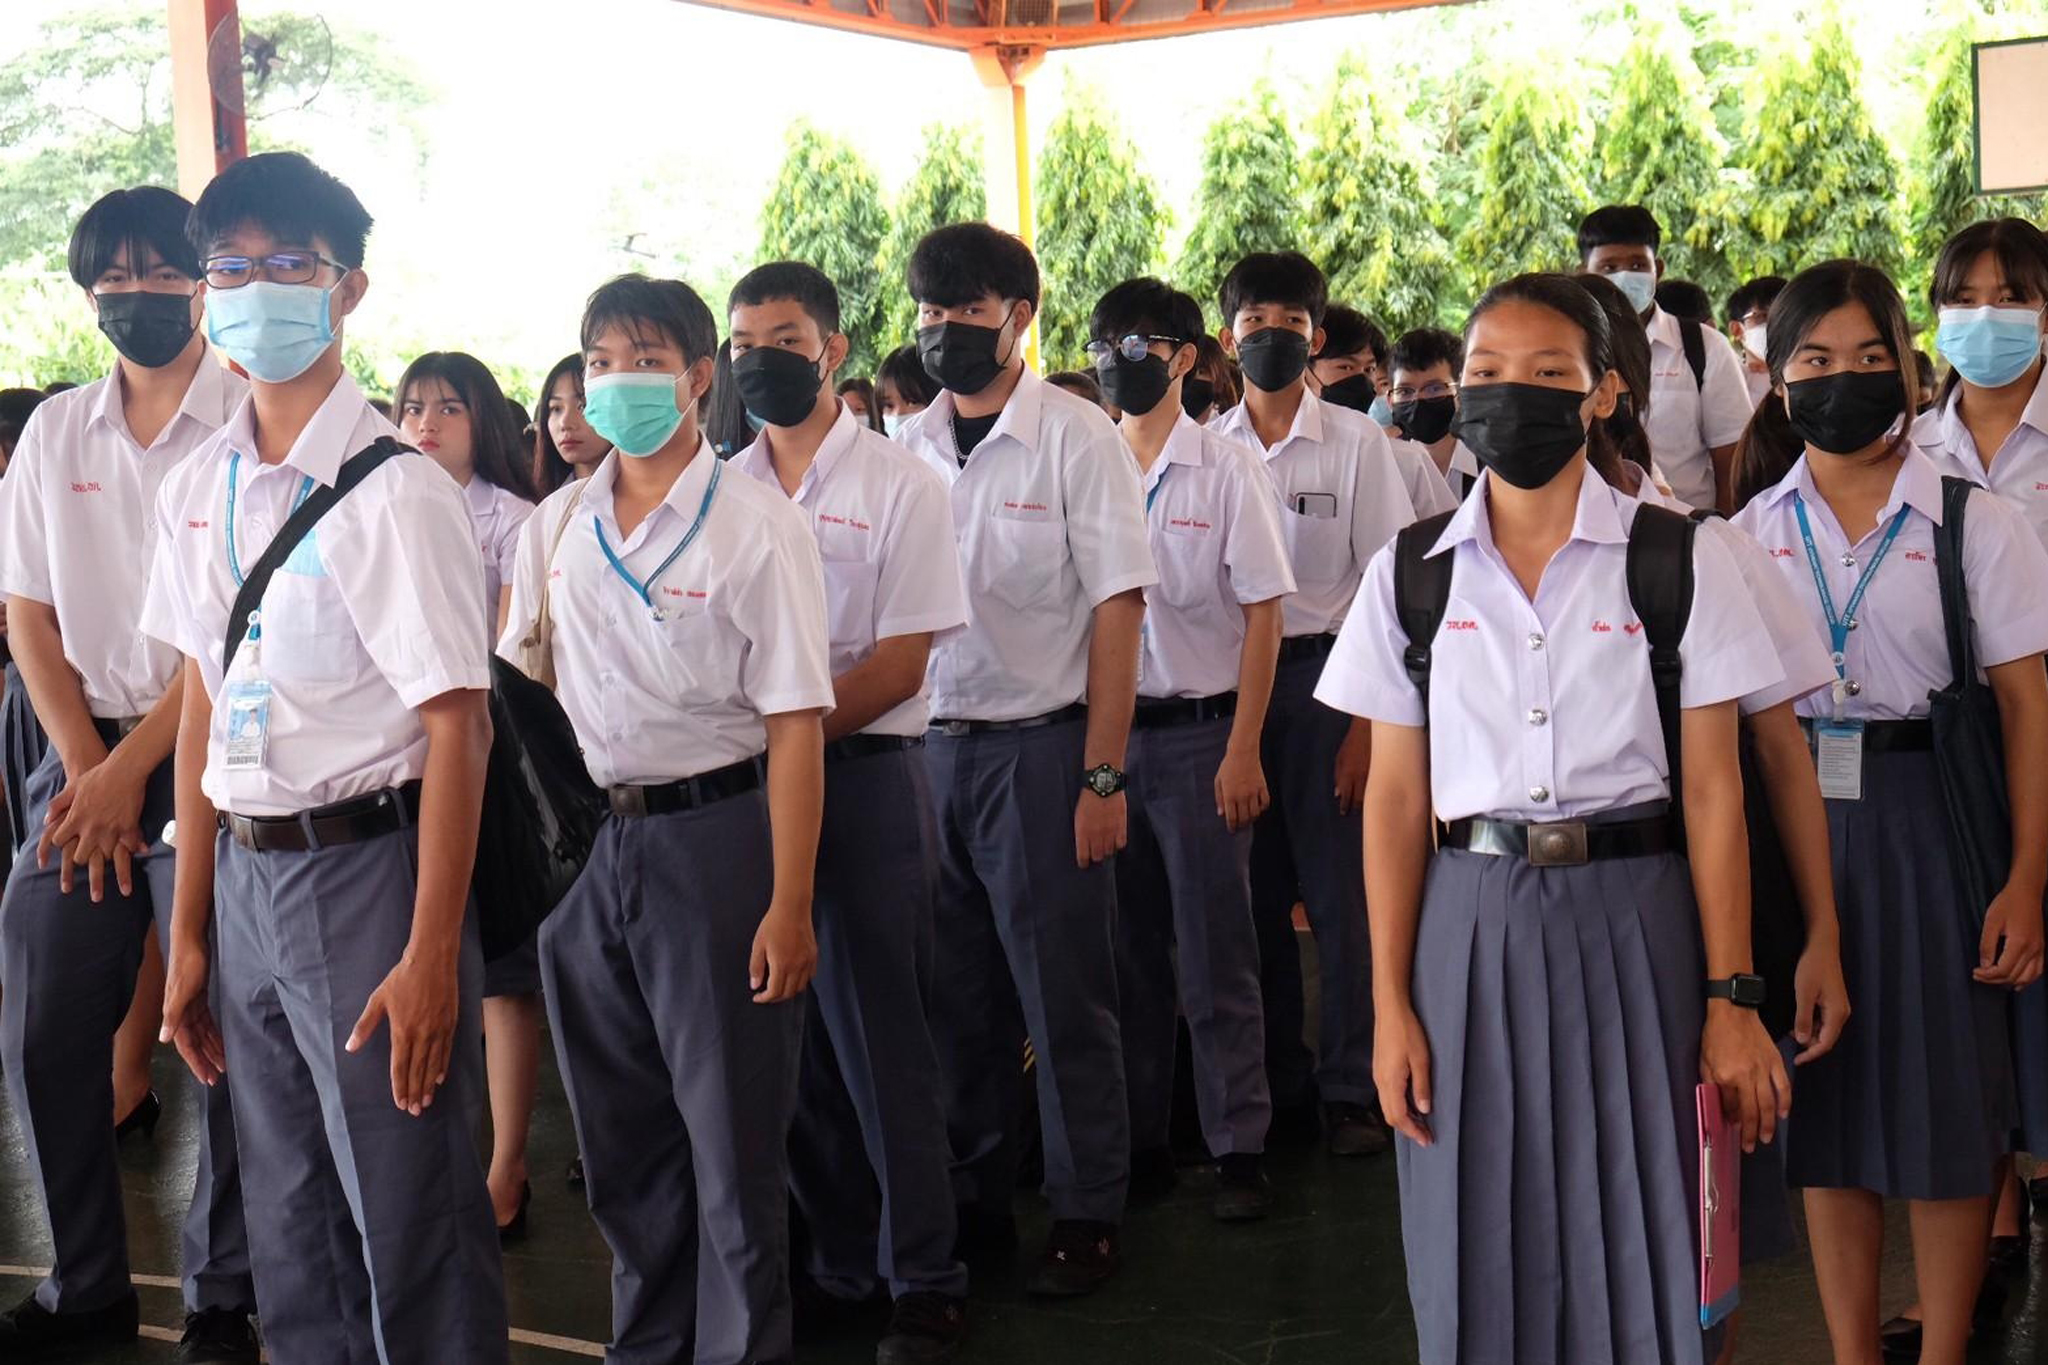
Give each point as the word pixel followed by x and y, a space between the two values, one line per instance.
pixel 497 446
pixel 865 388
pixel 903 371
pixel 1625 437
pixel 2022 253
pixel 550 470
pixel 724 415
pixel 1565 296
pixel 1769 446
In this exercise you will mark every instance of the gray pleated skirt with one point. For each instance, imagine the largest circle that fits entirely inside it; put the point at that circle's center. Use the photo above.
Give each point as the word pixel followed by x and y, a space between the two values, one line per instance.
pixel 22 745
pixel 1916 1101
pixel 1554 1220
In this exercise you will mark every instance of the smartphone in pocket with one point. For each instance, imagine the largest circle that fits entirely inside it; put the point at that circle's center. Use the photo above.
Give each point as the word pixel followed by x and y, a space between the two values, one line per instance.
pixel 1319 505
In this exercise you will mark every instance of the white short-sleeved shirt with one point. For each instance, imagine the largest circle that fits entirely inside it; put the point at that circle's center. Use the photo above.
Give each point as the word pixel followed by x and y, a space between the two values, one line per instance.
pixel 1051 525
pixel 1687 418
pixel 1898 652
pixel 1464 471
pixel 1329 453
pixel 742 633
pixel 1428 490
pixel 495 514
pixel 379 610
pixel 1758 382
pixel 2019 468
pixel 884 525
pixel 1545 710
pixel 79 528
pixel 1214 521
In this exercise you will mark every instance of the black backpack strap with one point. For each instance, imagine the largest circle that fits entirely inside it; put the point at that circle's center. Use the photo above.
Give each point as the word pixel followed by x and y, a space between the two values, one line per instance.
pixel 1660 592
pixel 1422 592
pixel 357 468
pixel 1692 336
pixel 1948 568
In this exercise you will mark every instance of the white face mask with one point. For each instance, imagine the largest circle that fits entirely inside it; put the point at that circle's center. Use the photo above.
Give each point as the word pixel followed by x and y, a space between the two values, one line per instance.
pixel 1639 285
pixel 1753 341
pixel 892 423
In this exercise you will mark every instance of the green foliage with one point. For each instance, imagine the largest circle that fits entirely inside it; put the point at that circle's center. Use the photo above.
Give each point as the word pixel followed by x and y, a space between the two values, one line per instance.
pixel 946 187
pixel 826 210
pixel 1529 191
pixel 1248 195
pixel 1100 222
pixel 50 333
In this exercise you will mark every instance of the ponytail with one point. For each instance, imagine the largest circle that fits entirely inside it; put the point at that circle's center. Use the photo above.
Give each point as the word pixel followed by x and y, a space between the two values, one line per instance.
pixel 1767 451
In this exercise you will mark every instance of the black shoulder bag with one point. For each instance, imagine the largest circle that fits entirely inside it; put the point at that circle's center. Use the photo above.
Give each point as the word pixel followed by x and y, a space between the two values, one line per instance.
pixel 1969 743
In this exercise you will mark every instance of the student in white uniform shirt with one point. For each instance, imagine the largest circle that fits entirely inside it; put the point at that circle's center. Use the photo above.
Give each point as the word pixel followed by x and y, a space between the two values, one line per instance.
pixel 1211 644
pixel 1423 401
pixel 869 1121
pixel 1031 708
pixel 1342 496
pixel 78 530
pixel 1565 1006
pixel 1701 402
pixel 1351 370
pixel 1749 317
pixel 690 655
pixel 341 752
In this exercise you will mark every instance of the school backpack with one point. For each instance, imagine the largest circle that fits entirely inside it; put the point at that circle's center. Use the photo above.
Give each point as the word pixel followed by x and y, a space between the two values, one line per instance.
pixel 1692 339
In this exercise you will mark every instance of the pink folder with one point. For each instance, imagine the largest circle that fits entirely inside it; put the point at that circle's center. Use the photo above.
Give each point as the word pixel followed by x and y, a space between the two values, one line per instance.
pixel 1720 1209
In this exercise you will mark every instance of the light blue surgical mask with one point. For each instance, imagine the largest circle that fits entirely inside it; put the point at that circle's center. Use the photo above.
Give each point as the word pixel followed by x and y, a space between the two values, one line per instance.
pixel 892 424
pixel 1381 411
pixel 637 413
pixel 1990 347
pixel 1640 286
pixel 274 331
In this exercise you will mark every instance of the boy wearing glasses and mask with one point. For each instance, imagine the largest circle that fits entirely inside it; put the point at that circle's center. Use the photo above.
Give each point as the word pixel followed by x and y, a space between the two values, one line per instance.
pixel 78 528
pixel 1426 364
pixel 339 751
pixel 1027 775
pixel 1210 645
pixel 1352 370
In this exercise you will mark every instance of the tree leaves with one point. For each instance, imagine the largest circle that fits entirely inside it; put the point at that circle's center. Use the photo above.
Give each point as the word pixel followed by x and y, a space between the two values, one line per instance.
pixel 947 187
pixel 1099 221
pixel 1249 196
pixel 825 209
pixel 1530 189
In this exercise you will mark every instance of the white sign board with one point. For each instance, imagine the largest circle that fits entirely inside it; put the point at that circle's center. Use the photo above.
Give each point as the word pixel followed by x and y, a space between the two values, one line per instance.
pixel 2012 116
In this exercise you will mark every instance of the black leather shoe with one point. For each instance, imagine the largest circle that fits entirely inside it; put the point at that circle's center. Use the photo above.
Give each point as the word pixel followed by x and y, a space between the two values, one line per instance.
pixel 1901 1336
pixel 142 1118
pixel 984 1234
pixel 1152 1174
pixel 1356 1130
pixel 29 1331
pixel 217 1336
pixel 1243 1194
pixel 515 1231
pixel 1079 1258
pixel 924 1329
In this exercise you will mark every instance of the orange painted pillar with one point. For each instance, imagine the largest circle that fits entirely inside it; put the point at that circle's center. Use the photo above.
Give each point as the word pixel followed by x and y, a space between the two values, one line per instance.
pixel 1006 144
pixel 210 136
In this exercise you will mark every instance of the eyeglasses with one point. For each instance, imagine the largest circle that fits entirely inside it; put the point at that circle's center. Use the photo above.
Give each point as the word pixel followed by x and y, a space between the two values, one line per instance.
pixel 1408 393
pixel 281 267
pixel 1133 347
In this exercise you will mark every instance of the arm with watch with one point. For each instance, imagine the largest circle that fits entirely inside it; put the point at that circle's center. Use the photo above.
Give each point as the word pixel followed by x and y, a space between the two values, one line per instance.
pixel 1100 815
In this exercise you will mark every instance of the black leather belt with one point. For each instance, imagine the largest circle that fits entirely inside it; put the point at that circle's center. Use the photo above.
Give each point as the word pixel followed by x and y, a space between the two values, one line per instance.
pixel 690 793
pixel 1889 736
pixel 1562 843
pixel 954 729
pixel 1306 647
pixel 1183 710
pixel 344 822
pixel 867 746
pixel 113 731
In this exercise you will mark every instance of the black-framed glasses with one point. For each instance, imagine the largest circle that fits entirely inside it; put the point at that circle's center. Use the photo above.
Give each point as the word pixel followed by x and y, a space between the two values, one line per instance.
pixel 279 267
pixel 1134 347
pixel 1409 393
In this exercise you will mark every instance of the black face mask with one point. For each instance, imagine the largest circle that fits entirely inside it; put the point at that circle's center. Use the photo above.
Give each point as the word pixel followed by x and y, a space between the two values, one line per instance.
pixel 1845 413
pixel 961 357
pixel 1134 386
pixel 1353 391
pixel 1427 420
pixel 1274 358
pixel 778 386
pixel 1197 395
pixel 1524 433
pixel 148 328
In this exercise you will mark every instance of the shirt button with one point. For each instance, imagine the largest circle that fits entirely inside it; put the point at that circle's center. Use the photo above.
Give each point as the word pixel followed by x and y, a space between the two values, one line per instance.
pixel 1539 716
pixel 1535 640
pixel 1539 794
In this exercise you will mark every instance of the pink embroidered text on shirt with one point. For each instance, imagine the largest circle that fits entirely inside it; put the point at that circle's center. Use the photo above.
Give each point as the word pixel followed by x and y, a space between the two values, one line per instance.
pixel 1191 523
pixel 855 522
pixel 1024 506
pixel 1634 627
pixel 1917 555
pixel 93 487
pixel 1602 628
pixel 1461 625
pixel 1782 552
pixel 197 525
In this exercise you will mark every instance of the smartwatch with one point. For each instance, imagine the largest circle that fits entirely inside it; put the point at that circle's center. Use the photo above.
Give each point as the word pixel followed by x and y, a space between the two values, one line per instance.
pixel 1102 779
pixel 1744 991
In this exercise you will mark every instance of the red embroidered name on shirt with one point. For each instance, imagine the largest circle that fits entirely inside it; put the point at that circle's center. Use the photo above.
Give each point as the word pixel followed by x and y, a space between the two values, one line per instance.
pixel 1917 555
pixel 1191 523
pixel 92 487
pixel 1602 628
pixel 1025 506
pixel 2041 488
pixel 197 525
pixel 1461 625
pixel 855 522
pixel 1634 627
pixel 1782 552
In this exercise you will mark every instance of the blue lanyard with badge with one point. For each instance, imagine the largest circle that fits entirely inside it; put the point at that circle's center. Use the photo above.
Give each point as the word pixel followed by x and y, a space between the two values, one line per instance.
pixel 1145 622
pixel 645 590
pixel 247 695
pixel 1838 742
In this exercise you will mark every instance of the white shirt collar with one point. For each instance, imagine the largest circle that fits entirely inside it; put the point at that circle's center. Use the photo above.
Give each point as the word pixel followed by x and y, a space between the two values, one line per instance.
pixel 1916 485
pixel 1597 519
pixel 321 449
pixel 205 400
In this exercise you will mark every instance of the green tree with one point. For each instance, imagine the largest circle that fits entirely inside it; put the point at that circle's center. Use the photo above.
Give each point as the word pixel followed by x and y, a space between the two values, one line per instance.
pixel 826 210
pixel 1248 195
pixel 1529 192
pixel 947 187
pixel 1366 215
pixel 1100 221
pixel 1823 183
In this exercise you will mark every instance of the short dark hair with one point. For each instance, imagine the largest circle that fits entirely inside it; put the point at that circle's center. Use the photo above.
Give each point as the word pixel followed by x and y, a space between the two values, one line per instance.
pixel 15 407
pixel 1346 331
pixel 497 441
pixel 145 219
pixel 1684 299
pixel 904 372
pixel 1425 347
pixel 670 307
pixel 289 197
pixel 1283 277
pixel 1080 383
pixel 804 285
pixel 1619 225
pixel 1758 293
pixel 1146 306
pixel 959 263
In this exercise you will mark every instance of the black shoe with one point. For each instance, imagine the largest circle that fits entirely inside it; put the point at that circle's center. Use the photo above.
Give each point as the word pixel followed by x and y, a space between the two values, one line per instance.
pixel 217 1336
pixel 1079 1258
pixel 142 1118
pixel 1356 1130
pixel 2008 1256
pixel 984 1234
pixel 1295 1125
pixel 1901 1336
pixel 515 1231
pixel 576 1173
pixel 29 1331
pixel 1152 1174
pixel 924 1329
pixel 1243 1194
pixel 821 1315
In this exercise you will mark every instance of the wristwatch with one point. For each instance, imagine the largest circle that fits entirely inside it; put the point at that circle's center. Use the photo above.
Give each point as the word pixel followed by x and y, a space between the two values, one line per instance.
pixel 1745 991
pixel 1104 780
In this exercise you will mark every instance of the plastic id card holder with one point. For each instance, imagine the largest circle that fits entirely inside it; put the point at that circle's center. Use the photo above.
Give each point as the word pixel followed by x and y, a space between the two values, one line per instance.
pixel 1838 755
pixel 248 706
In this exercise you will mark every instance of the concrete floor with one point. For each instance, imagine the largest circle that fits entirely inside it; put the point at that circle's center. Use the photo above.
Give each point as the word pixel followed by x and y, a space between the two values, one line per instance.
pixel 1319 1282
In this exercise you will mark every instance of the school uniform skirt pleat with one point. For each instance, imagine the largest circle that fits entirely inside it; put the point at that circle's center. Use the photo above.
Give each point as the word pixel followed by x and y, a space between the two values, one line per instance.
pixel 1916 1101
pixel 22 745
pixel 1552 1222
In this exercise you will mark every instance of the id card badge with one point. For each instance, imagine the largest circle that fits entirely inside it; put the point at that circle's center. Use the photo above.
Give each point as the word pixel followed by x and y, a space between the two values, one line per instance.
pixel 1838 755
pixel 248 704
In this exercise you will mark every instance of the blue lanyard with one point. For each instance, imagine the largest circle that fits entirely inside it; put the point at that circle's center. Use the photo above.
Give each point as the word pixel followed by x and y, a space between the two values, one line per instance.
pixel 1839 626
pixel 235 560
pixel 645 591
pixel 1159 483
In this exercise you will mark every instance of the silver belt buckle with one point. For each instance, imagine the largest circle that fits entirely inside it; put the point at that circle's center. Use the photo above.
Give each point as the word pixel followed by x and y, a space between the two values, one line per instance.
pixel 1560 844
pixel 629 801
